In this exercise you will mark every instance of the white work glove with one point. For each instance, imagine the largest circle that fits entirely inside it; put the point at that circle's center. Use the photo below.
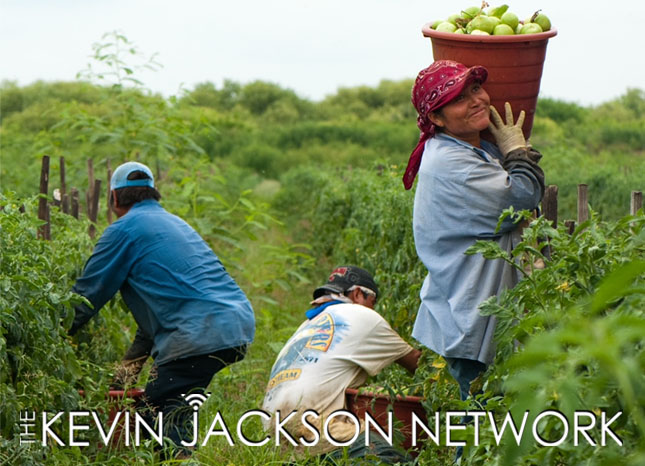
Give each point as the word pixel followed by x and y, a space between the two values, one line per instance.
pixel 509 136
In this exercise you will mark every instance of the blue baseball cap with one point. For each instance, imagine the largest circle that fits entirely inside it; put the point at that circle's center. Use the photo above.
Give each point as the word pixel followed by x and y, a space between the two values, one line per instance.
pixel 120 176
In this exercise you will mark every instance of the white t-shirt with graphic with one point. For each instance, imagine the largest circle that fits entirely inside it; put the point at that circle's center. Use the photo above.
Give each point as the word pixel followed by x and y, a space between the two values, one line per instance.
pixel 334 351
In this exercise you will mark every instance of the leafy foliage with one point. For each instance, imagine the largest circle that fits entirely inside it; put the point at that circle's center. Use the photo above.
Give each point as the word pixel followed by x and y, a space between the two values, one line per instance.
pixel 571 337
pixel 114 56
pixel 362 217
pixel 283 189
pixel 36 301
pixel 269 130
pixel 42 368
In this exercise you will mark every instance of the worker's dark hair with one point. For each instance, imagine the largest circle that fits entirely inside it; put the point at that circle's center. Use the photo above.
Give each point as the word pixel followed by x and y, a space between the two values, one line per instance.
pixel 130 195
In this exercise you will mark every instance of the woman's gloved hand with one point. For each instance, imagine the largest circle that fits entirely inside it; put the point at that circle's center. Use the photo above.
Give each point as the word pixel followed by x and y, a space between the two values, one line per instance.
pixel 518 155
pixel 509 136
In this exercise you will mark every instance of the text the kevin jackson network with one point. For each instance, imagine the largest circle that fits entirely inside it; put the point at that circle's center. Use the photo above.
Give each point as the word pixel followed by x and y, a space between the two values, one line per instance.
pixel 583 427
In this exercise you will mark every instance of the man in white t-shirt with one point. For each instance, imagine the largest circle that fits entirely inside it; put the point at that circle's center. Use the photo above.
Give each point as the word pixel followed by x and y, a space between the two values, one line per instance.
pixel 342 342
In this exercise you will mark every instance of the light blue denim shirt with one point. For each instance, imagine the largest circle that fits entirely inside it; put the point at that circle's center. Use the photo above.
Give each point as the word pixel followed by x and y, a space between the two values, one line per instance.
pixel 460 194
pixel 173 283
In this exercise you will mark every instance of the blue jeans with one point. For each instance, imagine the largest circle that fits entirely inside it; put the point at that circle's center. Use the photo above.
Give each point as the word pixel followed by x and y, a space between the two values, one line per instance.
pixel 164 392
pixel 464 372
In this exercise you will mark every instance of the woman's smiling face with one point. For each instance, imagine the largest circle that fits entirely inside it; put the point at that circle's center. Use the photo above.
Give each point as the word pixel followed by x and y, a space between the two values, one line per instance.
pixel 466 115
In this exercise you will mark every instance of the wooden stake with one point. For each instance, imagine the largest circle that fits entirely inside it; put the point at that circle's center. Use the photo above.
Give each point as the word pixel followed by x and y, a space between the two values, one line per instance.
pixel 583 203
pixel 63 186
pixel 65 203
pixel 75 206
pixel 94 208
pixel 549 212
pixel 44 230
pixel 550 204
pixel 90 185
pixel 64 198
pixel 636 202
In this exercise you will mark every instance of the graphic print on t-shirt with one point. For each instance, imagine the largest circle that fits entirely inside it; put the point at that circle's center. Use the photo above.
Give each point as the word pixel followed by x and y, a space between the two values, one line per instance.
pixel 317 335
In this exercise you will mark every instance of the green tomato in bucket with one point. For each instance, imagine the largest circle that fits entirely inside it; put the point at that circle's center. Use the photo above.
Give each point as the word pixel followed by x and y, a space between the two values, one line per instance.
pixel 453 19
pixel 497 11
pixel 543 21
pixel 531 28
pixel 482 23
pixel 470 12
pixel 445 26
pixel 503 30
pixel 511 19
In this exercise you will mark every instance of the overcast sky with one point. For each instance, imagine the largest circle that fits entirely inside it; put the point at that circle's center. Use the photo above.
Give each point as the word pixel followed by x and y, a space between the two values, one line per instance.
pixel 311 47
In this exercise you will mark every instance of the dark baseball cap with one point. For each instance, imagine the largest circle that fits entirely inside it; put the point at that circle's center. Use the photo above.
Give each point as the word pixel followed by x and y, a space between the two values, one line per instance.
pixel 343 278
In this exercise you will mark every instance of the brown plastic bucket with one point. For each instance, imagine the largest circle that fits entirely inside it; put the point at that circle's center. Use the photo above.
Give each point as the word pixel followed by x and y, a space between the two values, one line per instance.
pixel 120 400
pixel 514 65
pixel 378 405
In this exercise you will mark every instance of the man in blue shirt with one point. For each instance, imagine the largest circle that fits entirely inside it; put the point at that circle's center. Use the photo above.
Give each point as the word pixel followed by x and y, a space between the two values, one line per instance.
pixel 192 316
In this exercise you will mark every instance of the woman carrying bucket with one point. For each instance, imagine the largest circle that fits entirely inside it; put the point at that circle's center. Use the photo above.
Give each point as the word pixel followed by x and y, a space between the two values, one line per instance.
pixel 465 182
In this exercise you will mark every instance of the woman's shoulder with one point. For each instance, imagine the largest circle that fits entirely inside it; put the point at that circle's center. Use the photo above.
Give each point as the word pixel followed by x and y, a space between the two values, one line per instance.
pixel 448 150
pixel 447 154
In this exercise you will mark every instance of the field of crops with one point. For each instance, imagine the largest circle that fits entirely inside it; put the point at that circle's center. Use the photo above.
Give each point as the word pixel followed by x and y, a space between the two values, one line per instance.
pixel 283 189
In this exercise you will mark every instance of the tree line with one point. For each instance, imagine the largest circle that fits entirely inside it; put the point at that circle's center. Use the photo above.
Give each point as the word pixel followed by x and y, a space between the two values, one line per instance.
pixel 266 130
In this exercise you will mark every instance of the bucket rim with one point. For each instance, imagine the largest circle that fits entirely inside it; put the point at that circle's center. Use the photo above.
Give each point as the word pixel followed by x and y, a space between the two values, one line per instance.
pixel 354 393
pixel 429 32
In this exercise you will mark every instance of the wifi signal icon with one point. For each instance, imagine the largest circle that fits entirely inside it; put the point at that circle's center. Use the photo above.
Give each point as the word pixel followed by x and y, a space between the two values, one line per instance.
pixel 196 400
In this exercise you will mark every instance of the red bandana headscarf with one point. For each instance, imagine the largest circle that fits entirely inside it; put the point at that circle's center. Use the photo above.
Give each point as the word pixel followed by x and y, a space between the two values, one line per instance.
pixel 435 87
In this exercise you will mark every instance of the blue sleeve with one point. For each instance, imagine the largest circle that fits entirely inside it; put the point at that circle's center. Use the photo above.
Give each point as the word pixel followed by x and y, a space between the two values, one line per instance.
pixel 105 272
